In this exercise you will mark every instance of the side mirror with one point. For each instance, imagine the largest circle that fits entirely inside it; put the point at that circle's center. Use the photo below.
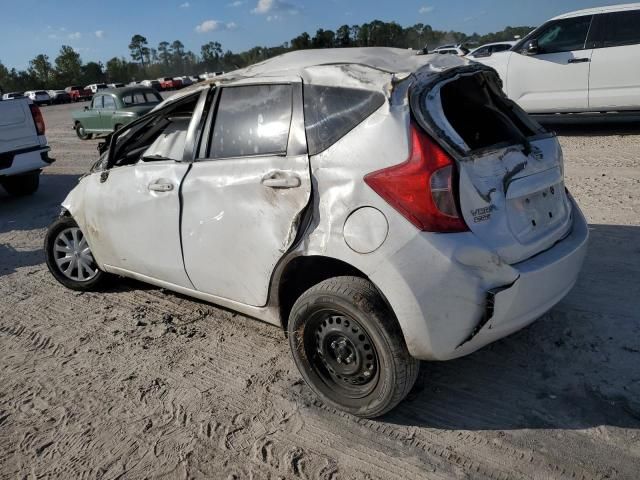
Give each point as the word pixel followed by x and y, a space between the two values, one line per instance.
pixel 86 107
pixel 533 48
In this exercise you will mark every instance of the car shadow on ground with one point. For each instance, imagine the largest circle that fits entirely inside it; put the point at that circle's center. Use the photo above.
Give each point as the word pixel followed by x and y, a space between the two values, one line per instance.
pixel 577 367
pixel 32 213
pixel 38 210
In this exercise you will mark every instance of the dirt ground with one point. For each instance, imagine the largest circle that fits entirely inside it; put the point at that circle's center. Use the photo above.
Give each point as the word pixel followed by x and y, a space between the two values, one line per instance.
pixel 137 382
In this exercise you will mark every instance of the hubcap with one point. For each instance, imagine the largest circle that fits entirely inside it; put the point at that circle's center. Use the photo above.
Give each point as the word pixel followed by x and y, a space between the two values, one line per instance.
pixel 73 255
pixel 341 353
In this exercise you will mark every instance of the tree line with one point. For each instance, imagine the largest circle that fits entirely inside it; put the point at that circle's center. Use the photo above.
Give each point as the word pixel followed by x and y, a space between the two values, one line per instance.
pixel 172 59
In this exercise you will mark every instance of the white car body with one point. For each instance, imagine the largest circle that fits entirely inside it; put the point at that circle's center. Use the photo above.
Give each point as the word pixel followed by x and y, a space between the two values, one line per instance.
pixel 22 149
pixel 94 87
pixel 40 97
pixel 12 95
pixel 593 69
pixel 451 50
pixel 230 231
pixel 115 85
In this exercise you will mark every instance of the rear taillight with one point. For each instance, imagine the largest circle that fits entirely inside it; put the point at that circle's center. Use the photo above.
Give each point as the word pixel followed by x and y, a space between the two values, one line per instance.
pixel 38 119
pixel 422 188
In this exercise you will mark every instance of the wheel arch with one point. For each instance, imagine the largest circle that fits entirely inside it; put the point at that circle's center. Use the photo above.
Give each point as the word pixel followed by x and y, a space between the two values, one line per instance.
pixel 303 272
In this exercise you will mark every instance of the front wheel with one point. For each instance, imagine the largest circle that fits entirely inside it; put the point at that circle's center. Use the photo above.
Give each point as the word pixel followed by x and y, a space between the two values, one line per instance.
pixel 349 348
pixel 21 185
pixel 69 256
pixel 81 132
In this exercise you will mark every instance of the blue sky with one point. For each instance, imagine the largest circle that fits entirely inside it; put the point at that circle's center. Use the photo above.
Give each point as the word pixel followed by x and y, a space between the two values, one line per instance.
pixel 102 29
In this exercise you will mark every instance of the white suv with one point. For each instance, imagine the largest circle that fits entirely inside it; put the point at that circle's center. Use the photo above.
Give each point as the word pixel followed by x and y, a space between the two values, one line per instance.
pixel 382 207
pixel 585 61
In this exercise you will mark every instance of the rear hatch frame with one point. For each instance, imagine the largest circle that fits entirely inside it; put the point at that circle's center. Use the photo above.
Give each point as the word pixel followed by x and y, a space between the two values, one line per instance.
pixel 511 194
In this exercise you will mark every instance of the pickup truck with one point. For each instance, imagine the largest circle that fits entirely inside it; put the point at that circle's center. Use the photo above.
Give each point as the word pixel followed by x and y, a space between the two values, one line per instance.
pixel 23 146
pixel 78 94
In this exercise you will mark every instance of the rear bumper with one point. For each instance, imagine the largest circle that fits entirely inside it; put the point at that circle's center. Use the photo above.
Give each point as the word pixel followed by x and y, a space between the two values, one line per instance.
pixel 464 297
pixel 24 161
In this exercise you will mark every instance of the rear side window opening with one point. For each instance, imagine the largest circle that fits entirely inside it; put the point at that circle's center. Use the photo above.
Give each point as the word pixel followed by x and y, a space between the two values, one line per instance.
pixel 332 112
pixel 475 115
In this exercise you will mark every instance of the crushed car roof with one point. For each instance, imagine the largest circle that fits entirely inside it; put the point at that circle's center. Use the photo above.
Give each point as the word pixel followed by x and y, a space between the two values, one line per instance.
pixel 369 68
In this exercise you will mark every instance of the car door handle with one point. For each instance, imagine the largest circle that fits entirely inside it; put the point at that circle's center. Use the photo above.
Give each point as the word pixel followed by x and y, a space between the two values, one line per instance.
pixel 160 187
pixel 579 60
pixel 281 179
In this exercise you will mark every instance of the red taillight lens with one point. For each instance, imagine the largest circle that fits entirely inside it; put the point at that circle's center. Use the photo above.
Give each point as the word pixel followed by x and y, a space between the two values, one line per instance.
pixel 38 119
pixel 421 188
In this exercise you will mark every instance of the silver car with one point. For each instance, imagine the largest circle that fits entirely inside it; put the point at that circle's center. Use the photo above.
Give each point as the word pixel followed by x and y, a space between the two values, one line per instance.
pixel 379 206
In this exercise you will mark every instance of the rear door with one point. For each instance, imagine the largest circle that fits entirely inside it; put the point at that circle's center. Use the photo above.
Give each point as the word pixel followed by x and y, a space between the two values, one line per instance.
pixel 511 186
pixel 615 64
pixel 244 195
pixel 556 78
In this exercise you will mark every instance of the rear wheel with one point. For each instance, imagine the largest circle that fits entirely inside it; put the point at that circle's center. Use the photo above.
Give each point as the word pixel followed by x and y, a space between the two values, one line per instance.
pixel 69 256
pixel 21 185
pixel 349 348
pixel 81 132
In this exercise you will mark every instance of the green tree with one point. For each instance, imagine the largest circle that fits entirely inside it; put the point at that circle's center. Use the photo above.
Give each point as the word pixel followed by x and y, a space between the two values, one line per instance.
pixel 40 69
pixel 139 49
pixel 343 36
pixel 92 72
pixel 68 66
pixel 211 53
pixel 163 53
pixel 301 42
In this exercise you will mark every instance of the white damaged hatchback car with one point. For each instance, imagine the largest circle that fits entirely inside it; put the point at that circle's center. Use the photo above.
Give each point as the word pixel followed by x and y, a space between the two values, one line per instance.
pixel 382 207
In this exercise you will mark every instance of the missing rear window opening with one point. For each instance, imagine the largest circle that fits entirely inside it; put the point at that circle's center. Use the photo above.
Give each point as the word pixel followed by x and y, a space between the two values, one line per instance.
pixel 480 114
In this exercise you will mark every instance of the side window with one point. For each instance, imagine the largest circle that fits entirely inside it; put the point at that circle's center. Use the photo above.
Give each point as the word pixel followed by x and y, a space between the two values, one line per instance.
pixel 160 137
pixel 109 102
pixel 332 112
pixel 500 48
pixel 483 52
pixel 622 28
pixel 565 35
pixel 252 120
pixel 97 101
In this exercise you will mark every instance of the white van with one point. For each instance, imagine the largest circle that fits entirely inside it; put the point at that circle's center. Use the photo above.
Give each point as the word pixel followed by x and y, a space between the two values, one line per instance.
pixel 584 61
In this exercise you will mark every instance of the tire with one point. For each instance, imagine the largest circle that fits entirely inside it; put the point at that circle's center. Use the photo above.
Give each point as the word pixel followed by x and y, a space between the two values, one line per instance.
pixel 82 263
pixel 81 132
pixel 349 348
pixel 22 185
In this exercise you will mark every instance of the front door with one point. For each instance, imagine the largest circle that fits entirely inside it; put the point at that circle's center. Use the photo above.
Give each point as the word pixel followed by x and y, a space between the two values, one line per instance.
pixel 243 198
pixel 132 219
pixel 92 120
pixel 555 78
pixel 106 114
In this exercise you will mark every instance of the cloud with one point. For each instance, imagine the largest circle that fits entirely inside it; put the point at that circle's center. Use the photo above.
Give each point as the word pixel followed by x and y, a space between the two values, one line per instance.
pixel 99 33
pixel 74 36
pixel 53 36
pixel 274 8
pixel 213 25
pixel 426 9
pixel 237 3
pixel 185 5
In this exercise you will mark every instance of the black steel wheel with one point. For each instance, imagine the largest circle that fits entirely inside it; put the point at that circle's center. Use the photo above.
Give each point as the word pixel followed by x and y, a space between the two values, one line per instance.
pixel 349 348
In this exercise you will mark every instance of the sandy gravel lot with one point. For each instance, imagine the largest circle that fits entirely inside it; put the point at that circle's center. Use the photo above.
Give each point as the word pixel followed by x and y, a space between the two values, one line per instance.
pixel 137 382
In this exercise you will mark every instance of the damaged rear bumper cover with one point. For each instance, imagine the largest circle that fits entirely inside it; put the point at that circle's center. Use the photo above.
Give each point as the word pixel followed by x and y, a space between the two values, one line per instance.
pixel 485 310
